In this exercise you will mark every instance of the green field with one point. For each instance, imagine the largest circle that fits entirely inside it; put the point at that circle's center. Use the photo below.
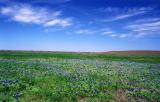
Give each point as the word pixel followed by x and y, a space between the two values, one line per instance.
pixel 27 76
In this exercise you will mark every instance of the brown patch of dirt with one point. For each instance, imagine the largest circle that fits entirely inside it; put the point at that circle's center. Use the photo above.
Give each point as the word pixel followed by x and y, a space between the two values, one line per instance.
pixel 134 52
pixel 85 99
pixel 121 96
pixel 82 100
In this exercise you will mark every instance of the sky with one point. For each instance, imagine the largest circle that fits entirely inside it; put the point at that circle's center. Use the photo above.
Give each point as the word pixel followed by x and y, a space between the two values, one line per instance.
pixel 80 25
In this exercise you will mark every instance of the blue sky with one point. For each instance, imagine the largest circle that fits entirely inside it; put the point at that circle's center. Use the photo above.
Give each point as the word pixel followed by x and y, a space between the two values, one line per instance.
pixel 79 25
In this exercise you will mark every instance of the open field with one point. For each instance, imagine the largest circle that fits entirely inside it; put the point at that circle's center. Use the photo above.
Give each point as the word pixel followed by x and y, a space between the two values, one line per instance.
pixel 151 58
pixel 135 52
pixel 78 77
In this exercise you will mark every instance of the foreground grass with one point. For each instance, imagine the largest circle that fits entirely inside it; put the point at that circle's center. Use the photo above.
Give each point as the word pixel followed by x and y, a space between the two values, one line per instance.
pixel 57 77
pixel 72 80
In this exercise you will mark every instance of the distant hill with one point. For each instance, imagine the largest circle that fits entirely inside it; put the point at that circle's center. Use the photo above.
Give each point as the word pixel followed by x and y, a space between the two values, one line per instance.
pixel 134 52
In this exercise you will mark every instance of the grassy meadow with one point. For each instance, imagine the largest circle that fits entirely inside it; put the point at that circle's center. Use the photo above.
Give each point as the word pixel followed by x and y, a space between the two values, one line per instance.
pixel 27 76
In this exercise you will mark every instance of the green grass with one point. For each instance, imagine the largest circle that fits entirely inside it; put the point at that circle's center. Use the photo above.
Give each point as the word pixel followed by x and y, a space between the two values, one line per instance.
pixel 69 55
pixel 78 77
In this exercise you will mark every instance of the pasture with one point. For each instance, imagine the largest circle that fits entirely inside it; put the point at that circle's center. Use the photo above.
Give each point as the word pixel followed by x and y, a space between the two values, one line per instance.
pixel 27 76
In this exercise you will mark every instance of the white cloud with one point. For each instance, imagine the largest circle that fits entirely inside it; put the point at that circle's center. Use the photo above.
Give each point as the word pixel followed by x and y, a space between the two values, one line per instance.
pixel 124 16
pixel 113 35
pixel 6 11
pixel 123 35
pixel 36 1
pixel 82 31
pixel 144 20
pixel 102 31
pixel 125 13
pixel 108 32
pixel 50 1
pixel 62 22
pixel 28 14
pixel 145 28
pixel 86 31
pixel 119 35
pixel 151 26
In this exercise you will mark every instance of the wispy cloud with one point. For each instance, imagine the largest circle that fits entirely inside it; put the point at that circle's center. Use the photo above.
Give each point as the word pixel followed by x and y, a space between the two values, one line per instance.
pixel 103 31
pixel 107 32
pixel 29 14
pixel 98 31
pixel 62 22
pixel 123 35
pixel 50 1
pixel 125 13
pixel 146 20
pixel 119 35
pixel 36 1
pixel 142 28
pixel 151 26
pixel 112 33
pixel 86 31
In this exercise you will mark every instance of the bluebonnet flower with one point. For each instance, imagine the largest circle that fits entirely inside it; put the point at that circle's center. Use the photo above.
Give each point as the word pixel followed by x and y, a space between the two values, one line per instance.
pixel 17 95
pixel 139 100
